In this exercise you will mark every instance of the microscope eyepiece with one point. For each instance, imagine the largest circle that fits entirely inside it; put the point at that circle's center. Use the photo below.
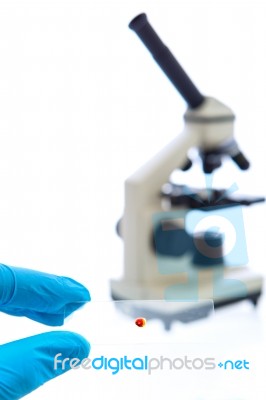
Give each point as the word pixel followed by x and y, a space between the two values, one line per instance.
pixel 138 22
pixel 165 59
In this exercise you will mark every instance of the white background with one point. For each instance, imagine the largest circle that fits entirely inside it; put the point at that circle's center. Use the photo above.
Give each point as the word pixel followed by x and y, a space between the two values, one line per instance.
pixel 82 105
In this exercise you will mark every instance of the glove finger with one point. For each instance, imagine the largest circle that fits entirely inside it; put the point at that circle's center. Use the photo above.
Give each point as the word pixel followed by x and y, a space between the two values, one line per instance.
pixel 28 363
pixel 33 293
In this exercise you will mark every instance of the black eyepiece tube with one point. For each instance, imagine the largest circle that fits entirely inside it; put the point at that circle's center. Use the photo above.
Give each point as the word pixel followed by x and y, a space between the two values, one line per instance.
pixel 166 61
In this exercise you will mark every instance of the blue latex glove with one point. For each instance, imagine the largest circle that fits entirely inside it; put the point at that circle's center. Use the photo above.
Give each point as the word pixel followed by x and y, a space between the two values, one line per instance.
pixel 45 298
pixel 28 363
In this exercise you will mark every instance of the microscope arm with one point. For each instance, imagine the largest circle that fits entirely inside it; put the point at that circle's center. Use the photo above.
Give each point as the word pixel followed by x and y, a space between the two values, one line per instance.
pixel 143 199
pixel 144 186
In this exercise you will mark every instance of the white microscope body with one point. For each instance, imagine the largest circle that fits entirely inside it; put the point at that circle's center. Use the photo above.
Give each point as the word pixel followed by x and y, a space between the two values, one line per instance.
pixel 209 127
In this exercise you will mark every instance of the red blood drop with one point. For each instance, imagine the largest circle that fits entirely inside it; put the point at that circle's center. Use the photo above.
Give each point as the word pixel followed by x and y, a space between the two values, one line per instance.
pixel 140 322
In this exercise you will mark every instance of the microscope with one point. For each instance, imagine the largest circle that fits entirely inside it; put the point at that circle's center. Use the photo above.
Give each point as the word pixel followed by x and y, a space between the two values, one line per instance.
pixel 169 253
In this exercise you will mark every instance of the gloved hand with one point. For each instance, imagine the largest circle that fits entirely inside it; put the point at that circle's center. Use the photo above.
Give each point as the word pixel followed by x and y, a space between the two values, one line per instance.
pixel 28 363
